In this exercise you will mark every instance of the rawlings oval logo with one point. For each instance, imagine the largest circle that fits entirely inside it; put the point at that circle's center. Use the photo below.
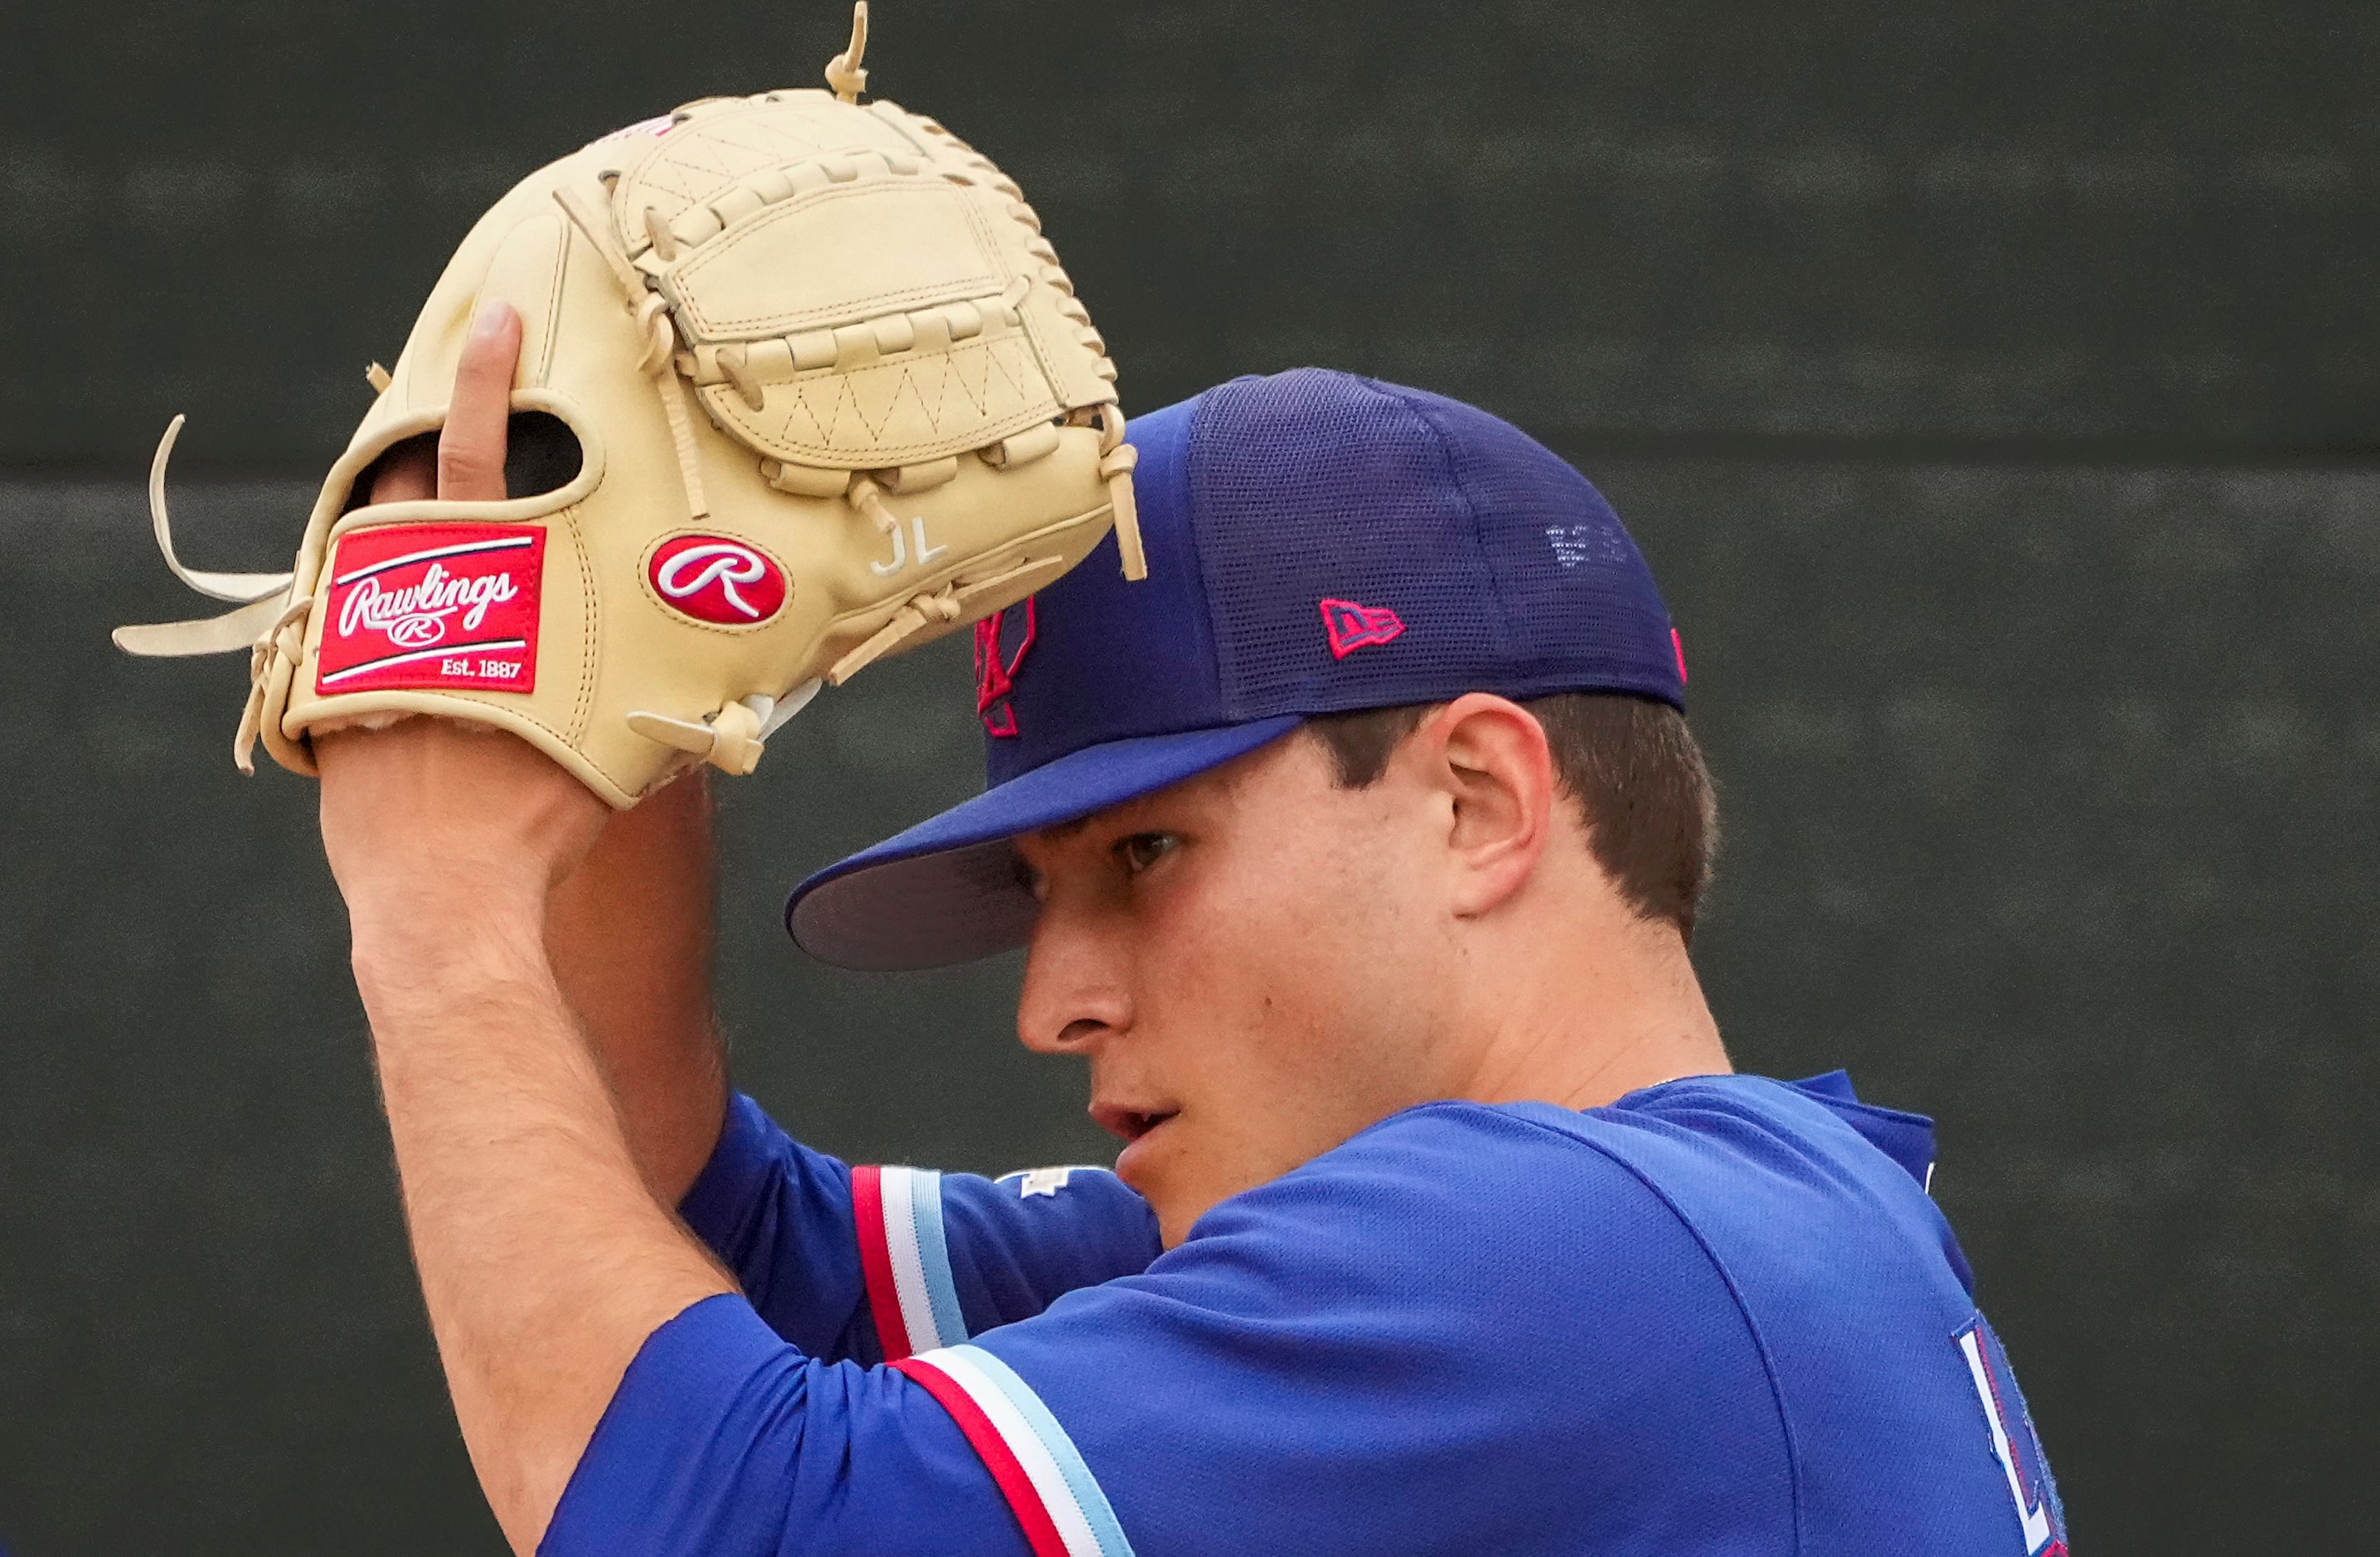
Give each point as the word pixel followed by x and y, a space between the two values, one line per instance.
pixel 713 579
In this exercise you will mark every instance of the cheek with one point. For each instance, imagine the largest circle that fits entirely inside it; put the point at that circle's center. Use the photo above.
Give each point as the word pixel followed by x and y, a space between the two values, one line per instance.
pixel 1278 990
pixel 1289 951
pixel 1255 929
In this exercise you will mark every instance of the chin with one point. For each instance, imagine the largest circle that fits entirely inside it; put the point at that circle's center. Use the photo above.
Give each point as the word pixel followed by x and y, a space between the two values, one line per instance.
pixel 1145 1181
pixel 1175 1205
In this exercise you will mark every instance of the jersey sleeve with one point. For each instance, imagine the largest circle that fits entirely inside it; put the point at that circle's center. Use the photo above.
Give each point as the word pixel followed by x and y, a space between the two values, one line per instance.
pixel 871 1264
pixel 725 1440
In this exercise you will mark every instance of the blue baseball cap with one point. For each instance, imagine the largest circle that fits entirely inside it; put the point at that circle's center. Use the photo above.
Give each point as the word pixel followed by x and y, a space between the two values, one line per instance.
pixel 1317 543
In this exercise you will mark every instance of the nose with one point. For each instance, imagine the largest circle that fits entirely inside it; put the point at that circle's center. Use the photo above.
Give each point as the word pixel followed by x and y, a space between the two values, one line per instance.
pixel 1074 990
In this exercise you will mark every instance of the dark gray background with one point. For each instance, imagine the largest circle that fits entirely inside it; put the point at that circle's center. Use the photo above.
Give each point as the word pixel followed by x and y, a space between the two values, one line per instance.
pixel 1994 388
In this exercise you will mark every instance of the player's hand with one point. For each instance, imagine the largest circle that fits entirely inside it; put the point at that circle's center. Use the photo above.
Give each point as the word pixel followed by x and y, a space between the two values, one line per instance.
pixel 432 826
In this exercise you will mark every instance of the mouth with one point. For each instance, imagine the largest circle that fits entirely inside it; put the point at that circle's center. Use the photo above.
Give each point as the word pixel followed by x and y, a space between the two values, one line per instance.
pixel 1126 1123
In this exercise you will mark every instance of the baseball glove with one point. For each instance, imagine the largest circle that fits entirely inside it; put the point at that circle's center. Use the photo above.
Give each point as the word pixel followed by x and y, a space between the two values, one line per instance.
pixel 833 397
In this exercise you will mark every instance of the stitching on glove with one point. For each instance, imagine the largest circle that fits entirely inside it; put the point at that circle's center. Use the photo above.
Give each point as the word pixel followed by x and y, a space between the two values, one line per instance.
pixel 1038 404
pixel 582 708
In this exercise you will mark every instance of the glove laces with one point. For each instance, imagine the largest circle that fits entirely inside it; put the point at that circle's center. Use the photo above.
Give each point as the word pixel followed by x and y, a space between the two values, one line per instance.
pixel 658 363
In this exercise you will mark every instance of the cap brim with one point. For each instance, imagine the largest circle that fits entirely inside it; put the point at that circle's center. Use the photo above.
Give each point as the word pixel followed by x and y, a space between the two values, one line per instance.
pixel 948 890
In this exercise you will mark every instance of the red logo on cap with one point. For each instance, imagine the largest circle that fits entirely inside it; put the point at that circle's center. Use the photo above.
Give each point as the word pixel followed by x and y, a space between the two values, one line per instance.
pixel 995 675
pixel 712 578
pixel 417 607
pixel 1354 626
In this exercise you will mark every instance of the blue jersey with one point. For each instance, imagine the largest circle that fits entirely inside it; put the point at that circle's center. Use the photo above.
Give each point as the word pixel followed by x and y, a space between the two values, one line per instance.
pixel 1720 1315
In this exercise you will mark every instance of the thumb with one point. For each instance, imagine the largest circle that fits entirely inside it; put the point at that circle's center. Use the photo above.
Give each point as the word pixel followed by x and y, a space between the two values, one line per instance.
pixel 471 446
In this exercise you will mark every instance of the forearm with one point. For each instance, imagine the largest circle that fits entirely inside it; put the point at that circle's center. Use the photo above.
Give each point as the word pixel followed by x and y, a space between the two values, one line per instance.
pixel 531 1185
pixel 628 935
pixel 545 1257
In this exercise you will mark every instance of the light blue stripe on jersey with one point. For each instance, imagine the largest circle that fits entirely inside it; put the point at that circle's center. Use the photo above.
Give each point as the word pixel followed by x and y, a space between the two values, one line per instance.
pixel 1079 1480
pixel 934 1258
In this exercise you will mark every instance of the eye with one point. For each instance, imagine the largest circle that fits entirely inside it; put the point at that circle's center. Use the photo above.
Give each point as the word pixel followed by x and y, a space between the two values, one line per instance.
pixel 1030 879
pixel 1142 850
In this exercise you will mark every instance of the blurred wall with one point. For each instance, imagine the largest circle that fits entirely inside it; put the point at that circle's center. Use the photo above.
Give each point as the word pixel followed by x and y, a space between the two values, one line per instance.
pixel 1993 388
pixel 2096 226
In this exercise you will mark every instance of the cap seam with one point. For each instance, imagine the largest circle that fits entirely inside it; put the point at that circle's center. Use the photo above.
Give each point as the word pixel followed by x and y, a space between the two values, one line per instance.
pixel 1227 698
pixel 1504 646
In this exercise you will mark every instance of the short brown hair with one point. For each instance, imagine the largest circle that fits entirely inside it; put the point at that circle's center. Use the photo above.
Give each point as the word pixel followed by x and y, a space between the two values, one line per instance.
pixel 1631 765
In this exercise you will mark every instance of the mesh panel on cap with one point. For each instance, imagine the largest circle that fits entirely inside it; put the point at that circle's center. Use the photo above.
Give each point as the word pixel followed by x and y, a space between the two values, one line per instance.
pixel 1563 563
pixel 1311 486
pixel 1507 571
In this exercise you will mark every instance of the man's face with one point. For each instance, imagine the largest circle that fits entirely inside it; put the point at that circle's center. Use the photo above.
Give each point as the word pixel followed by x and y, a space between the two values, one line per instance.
pixel 1250 962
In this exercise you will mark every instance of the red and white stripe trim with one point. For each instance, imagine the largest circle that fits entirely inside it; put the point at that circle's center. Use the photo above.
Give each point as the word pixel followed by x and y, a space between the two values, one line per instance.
pixel 1056 1499
pixel 906 1259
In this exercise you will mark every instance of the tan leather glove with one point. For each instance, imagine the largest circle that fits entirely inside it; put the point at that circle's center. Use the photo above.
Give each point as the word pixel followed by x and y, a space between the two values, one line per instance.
pixel 833 397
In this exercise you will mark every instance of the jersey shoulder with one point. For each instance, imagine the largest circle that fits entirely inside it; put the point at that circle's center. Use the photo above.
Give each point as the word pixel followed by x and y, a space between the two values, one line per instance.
pixel 1718 1311
pixel 1787 1153
pixel 1458 1331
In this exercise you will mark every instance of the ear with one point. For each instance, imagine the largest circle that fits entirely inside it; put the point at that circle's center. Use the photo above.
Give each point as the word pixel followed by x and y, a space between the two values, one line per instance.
pixel 1490 756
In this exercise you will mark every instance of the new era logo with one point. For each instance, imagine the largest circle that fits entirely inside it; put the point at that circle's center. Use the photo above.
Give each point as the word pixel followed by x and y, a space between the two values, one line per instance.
pixel 1354 626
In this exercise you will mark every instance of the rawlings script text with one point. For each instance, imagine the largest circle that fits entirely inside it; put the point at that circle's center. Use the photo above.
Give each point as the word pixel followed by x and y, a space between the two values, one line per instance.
pixel 416 615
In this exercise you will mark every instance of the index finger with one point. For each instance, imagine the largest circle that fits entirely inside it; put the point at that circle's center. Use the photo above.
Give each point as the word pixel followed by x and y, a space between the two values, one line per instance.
pixel 471 446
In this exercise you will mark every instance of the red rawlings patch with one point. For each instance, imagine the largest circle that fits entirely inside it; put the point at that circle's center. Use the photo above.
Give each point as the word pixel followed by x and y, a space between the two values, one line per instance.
pixel 717 581
pixel 422 607
pixel 1354 626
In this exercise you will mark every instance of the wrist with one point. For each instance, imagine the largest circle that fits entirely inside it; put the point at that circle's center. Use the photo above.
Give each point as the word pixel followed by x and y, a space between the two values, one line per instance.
pixel 402 949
